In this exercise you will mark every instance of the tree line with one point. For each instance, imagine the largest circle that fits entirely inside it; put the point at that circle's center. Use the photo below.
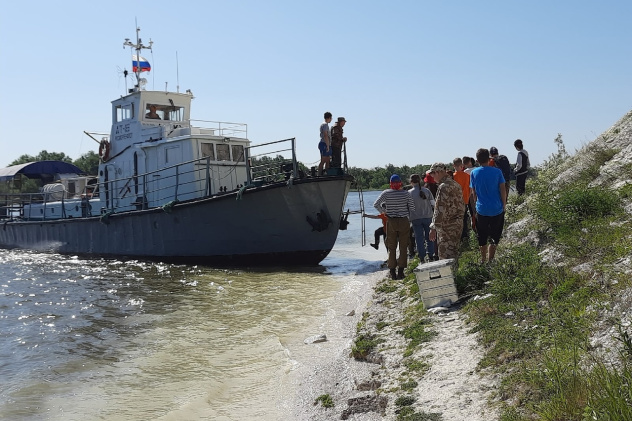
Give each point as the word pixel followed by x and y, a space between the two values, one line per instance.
pixel 88 162
pixel 377 178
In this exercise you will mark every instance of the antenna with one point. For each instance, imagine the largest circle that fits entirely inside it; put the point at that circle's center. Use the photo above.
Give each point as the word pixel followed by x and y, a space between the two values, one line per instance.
pixel 177 74
pixel 137 47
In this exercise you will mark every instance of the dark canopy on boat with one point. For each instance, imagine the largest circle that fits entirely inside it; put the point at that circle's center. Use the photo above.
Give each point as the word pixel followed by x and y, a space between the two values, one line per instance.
pixel 39 170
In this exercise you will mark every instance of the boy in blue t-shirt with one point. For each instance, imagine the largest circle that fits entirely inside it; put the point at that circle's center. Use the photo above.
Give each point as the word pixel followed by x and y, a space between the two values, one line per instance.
pixel 488 189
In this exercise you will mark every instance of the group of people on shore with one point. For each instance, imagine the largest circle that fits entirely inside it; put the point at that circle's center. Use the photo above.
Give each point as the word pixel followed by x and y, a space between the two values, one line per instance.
pixel 438 210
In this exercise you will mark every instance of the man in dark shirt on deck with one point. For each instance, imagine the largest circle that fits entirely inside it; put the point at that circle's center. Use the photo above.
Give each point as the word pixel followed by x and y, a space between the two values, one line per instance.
pixel 337 141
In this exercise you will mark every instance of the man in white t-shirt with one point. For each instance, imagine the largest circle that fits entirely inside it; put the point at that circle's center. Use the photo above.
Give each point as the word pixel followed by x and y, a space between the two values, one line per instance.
pixel 325 144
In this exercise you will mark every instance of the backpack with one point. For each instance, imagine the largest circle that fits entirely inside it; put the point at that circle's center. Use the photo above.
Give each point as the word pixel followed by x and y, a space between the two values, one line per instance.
pixel 525 160
pixel 502 163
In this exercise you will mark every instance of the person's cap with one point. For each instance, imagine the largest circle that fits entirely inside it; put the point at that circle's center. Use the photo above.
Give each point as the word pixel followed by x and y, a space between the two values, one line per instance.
pixel 438 166
pixel 395 179
pixel 341 119
pixel 493 150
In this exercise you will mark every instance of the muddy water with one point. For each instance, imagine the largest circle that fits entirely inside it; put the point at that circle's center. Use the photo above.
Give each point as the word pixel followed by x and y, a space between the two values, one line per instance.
pixel 92 340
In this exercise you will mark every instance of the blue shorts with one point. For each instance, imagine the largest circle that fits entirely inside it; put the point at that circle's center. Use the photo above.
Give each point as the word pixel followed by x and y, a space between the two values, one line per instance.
pixel 322 146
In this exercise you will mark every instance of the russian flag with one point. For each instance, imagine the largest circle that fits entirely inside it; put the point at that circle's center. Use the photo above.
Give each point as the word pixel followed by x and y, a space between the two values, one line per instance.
pixel 144 64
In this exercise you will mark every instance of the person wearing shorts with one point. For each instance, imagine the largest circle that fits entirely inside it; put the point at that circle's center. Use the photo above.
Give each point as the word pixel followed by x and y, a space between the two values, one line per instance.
pixel 490 195
pixel 325 144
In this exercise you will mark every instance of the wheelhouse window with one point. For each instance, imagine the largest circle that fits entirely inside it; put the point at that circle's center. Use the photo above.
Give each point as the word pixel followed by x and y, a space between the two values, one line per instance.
pixel 223 152
pixel 207 150
pixel 163 112
pixel 238 153
pixel 124 112
pixel 154 112
pixel 173 113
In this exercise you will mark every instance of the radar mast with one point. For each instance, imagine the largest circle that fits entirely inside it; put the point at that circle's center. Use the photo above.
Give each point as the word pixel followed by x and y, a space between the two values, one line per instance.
pixel 138 47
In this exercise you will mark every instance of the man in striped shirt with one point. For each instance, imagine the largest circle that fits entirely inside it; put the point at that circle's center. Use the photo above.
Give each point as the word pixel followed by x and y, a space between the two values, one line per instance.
pixel 398 205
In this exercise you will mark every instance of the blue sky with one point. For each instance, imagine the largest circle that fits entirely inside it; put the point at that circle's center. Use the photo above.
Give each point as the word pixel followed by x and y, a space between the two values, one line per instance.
pixel 418 81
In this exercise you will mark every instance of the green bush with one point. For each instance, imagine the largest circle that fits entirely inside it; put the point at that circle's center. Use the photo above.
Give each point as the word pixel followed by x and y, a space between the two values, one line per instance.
pixel 408 385
pixel 363 345
pixel 517 276
pixel 565 211
pixel 471 275
pixel 405 400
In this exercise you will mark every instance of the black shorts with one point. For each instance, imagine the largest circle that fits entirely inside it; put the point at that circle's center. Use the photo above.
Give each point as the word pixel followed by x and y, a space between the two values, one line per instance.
pixel 489 227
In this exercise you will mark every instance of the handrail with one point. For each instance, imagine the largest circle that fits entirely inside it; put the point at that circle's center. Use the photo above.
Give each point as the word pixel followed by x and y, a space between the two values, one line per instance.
pixel 193 179
pixel 223 126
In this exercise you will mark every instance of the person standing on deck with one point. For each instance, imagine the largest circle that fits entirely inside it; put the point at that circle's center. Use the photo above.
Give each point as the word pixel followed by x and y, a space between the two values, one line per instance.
pixel 337 140
pixel 325 144
pixel 398 206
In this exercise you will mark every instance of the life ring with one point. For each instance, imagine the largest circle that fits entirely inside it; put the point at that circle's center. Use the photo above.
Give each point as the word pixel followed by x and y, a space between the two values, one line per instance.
pixel 104 150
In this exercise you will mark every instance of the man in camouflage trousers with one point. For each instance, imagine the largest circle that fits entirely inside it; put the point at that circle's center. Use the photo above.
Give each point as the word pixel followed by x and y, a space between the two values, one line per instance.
pixel 447 220
pixel 337 140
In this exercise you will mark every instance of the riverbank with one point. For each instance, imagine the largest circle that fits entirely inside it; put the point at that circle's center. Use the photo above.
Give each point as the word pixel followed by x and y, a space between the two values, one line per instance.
pixel 553 315
pixel 438 378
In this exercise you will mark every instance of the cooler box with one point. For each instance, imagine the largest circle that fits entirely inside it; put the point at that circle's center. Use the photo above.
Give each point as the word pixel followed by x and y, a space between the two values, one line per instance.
pixel 436 283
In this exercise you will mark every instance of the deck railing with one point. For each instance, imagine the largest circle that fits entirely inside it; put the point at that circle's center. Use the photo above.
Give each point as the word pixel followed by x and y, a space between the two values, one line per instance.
pixel 261 164
pixel 222 128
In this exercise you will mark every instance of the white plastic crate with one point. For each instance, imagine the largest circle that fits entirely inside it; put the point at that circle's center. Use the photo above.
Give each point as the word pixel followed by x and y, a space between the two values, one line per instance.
pixel 436 283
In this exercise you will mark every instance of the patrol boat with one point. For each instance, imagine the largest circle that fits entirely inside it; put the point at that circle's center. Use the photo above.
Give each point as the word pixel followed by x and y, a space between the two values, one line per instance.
pixel 174 189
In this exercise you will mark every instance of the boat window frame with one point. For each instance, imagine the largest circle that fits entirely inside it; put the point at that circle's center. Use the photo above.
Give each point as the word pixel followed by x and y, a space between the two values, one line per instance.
pixel 166 112
pixel 222 156
pixel 124 112
pixel 212 150
pixel 239 155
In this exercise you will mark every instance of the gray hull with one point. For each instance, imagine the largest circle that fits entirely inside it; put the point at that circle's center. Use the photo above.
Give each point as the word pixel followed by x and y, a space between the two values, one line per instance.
pixel 273 224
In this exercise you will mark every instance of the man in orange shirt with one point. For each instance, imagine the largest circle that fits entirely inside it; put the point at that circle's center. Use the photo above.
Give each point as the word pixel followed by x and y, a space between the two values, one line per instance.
pixel 463 178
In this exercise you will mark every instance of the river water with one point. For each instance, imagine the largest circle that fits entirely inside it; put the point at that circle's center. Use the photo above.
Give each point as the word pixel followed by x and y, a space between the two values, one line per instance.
pixel 109 340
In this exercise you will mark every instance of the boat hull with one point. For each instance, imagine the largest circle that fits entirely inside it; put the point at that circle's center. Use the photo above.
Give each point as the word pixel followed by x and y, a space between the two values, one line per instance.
pixel 276 224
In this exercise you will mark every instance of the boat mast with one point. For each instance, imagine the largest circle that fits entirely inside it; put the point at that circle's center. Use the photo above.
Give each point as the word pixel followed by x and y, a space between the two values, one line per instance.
pixel 138 47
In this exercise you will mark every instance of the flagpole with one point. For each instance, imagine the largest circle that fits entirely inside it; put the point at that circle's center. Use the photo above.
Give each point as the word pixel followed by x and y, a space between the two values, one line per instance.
pixel 138 47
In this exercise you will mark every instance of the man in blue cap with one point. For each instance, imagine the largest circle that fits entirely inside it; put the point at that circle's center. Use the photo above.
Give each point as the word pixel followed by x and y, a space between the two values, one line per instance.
pixel 397 204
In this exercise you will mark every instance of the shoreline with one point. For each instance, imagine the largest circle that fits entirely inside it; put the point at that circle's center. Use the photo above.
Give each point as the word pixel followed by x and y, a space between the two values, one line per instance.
pixel 449 383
